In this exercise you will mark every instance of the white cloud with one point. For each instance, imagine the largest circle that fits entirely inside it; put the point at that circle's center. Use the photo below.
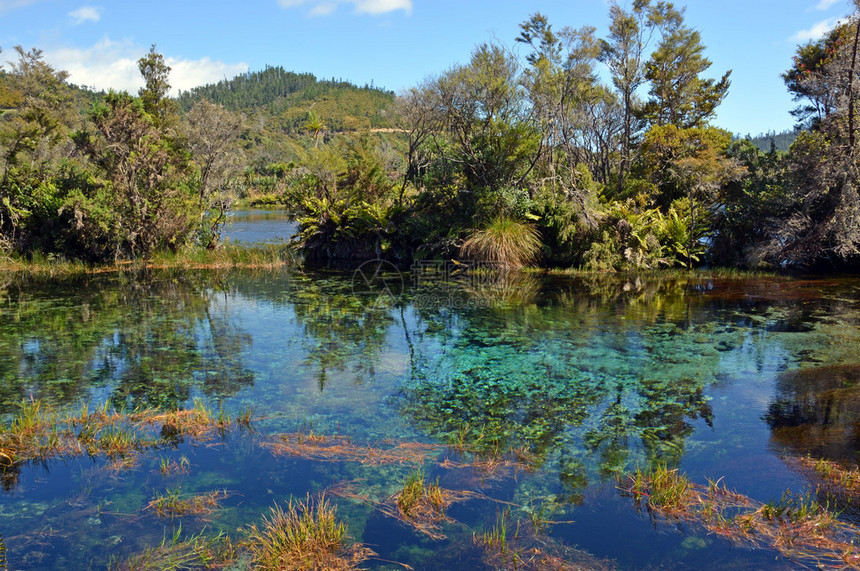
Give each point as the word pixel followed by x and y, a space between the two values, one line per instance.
pixel 85 14
pixel 816 31
pixel 383 6
pixel 113 65
pixel 825 4
pixel 9 5
pixel 325 7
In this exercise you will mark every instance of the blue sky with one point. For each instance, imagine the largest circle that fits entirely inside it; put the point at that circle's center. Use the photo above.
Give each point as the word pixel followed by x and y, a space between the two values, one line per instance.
pixel 392 43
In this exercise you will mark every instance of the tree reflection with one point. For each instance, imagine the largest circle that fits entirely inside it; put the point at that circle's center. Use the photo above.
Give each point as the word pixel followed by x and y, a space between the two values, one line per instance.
pixel 145 340
pixel 343 333
pixel 816 410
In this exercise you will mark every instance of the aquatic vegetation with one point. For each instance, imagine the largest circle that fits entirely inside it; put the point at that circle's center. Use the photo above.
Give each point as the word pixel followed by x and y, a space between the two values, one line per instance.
pixel 167 466
pixel 195 552
pixel 419 497
pixel 338 449
pixel 305 536
pixel 796 526
pixel 39 432
pixel 511 546
pixel 422 422
pixel 173 504
pixel 419 504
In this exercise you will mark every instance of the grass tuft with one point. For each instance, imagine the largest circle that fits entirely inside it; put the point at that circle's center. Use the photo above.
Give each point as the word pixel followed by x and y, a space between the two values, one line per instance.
pixel 796 526
pixel 504 242
pixel 307 535
pixel 171 504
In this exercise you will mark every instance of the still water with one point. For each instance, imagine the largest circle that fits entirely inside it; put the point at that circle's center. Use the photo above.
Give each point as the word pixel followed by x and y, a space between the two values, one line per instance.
pixel 258 226
pixel 591 377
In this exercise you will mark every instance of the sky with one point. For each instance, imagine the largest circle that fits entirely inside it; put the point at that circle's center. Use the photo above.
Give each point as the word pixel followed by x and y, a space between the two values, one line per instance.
pixel 393 44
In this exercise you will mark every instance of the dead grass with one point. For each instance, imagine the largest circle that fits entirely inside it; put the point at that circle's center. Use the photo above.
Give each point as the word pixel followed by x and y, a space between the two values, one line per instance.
pixel 796 526
pixel 340 449
pixel 838 480
pixel 419 504
pixel 196 552
pixel 510 545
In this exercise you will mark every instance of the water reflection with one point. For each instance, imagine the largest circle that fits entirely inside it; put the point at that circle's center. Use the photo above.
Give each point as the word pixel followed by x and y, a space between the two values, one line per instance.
pixel 816 411
pixel 128 338
pixel 592 375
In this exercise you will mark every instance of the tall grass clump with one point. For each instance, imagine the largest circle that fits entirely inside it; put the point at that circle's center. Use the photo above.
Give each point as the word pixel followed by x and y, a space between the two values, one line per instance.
pixel 421 499
pixel 504 242
pixel 307 535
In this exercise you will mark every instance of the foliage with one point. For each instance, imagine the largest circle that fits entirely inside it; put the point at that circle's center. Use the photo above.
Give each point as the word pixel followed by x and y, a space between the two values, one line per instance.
pixel 678 95
pixel 504 243
pixel 142 201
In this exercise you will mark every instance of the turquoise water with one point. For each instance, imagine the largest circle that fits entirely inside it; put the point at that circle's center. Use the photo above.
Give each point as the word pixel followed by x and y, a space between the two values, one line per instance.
pixel 729 378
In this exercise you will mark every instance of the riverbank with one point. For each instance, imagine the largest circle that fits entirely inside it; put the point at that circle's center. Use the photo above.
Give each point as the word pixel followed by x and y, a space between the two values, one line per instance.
pixel 263 256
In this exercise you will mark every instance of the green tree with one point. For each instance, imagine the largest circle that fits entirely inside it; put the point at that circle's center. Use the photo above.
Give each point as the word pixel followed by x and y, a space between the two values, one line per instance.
pixel 689 165
pixel 495 140
pixel 32 134
pixel 153 94
pixel 145 198
pixel 678 95
pixel 623 51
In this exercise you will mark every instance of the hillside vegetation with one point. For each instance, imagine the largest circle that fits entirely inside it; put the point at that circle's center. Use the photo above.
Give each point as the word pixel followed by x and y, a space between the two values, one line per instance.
pixel 517 157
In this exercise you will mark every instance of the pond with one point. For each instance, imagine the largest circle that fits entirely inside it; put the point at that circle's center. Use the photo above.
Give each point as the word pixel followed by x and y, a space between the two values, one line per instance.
pixel 258 226
pixel 526 396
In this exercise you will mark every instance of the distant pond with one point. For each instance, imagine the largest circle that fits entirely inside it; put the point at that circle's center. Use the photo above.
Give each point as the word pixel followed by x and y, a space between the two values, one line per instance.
pixel 258 226
pixel 580 379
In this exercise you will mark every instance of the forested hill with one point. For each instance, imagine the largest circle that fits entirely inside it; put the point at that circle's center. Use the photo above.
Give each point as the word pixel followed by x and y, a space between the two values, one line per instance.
pixel 781 141
pixel 340 104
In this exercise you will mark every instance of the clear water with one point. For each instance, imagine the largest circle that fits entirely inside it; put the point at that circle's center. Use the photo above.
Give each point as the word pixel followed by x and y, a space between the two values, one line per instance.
pixel 258 226
pixel 720 378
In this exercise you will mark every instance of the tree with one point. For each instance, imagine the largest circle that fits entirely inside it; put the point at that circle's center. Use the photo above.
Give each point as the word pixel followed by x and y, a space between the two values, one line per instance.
pixel 821 222
pixel 496 141
pixel 575 114
pixel 690 165
pixel 419 115
pixel 622 52
pixel 678 95
pixel 315 126
pixel 808 79
pixel 153 94
pixel 146 204
pixel 146 199
pixel 211 133
pixel 32 132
